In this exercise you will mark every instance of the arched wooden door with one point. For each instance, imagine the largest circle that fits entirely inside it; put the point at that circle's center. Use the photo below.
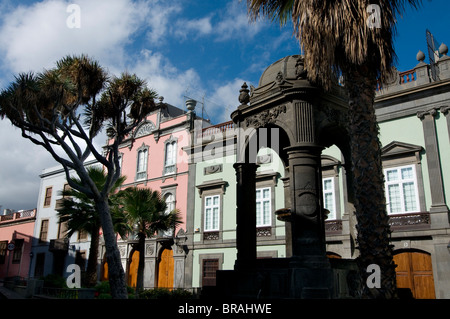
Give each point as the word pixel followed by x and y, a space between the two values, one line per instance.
pixel 133 269
pixel 165 269
pixel 414 271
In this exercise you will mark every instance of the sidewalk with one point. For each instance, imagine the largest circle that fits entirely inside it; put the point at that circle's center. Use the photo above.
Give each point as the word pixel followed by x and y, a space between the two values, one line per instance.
pixel 9 294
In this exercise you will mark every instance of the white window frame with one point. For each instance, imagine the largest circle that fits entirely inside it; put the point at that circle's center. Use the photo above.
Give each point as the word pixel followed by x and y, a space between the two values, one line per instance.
pixel 142 174
pixel 211 207
pixel 400 182
pixel 260 219
pixel 332 214
pixel 170 161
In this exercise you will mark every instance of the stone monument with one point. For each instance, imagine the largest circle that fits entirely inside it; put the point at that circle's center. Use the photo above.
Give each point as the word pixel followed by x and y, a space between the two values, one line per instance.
pixel 297 120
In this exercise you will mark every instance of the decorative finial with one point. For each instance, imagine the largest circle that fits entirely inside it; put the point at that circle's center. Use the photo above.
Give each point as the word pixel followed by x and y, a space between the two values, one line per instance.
pixel 443 49
pixel 420 56
pixel 161 99
pixel 300 70
pixel 190 104
pixel 244 97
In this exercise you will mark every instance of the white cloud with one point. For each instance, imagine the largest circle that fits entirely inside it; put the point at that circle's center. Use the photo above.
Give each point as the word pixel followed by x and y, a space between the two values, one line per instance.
pixel 164 77
pixel 230 23
pixel 21 163
pixel 35 37
pixel 225 97
pixel 235 23
pixel 195 27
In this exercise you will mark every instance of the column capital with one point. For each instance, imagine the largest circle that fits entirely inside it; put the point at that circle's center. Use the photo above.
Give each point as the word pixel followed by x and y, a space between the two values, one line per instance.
pixel 445 110
pixel 422 114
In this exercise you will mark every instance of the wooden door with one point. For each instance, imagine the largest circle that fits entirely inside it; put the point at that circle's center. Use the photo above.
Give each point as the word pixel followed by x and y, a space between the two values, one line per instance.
pixel 165 269
pixel 133 269
pixel 414 271
pixel 104 275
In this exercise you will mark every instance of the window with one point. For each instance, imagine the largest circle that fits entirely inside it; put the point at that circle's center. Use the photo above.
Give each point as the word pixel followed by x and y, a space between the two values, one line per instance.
pixel 401 190
pixel 212 212
pixel 263 207
pixel 44 231
pixel 170 206
pixel 209 270
pixel 170 162
pixel 17 253
pixel 3 247
pixel 48 196
pixel 82 235
pixel 141 170
pixel 62 229
pixel 329 197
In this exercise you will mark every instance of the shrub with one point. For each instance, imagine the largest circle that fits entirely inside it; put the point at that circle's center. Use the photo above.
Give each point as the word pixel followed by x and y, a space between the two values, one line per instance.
pixel 165 294
pixel 103 291
pixel 54 281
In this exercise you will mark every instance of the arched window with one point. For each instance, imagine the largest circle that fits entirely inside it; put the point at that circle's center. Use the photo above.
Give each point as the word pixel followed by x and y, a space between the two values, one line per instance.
pixel 170 156
pixel 142 158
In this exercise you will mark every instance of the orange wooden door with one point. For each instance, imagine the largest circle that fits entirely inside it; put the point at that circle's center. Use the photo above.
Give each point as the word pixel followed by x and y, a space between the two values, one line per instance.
pixel 165 269
pixel 133 269
pixel 414 271
pixel 104 275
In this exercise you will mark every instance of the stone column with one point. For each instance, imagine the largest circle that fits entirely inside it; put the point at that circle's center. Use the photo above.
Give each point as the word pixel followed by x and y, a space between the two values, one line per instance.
pixel 446 111
pixel 438 204
pixel 245 215
pixel 287 204
pixel 307 221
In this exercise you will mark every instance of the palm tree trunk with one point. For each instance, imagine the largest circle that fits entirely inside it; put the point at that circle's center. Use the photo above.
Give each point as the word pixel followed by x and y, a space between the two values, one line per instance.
pixel 91 271
pixel 368 185
pixel 115 270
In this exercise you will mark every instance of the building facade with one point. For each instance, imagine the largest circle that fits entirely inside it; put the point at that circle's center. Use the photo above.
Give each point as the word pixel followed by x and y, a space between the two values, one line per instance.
pixel 16 235
pixel 413 114
pixel 192 164
pixel 153 157
pixel 52 251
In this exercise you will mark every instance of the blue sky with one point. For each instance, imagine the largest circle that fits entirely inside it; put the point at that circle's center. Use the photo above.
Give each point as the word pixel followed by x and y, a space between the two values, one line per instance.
pixel 202 49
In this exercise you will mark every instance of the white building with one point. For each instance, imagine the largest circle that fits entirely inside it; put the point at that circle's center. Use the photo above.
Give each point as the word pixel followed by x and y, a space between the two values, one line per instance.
pixel 52 252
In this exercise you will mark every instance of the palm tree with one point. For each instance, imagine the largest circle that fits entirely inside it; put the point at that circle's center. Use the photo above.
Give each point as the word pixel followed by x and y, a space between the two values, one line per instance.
pixel 80 214
pixel 145 210
pixel 62 110
pixel 340 38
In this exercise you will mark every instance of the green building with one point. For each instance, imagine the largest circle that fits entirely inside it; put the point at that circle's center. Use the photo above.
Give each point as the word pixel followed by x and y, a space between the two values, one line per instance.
pixel 414 119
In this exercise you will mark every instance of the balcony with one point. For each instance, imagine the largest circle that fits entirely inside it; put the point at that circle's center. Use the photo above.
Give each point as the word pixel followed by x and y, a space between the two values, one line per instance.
pixel 60 245
pixel 410 221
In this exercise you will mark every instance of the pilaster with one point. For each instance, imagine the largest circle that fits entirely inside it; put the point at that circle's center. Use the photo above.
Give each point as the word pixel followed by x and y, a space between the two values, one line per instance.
pixel 438 204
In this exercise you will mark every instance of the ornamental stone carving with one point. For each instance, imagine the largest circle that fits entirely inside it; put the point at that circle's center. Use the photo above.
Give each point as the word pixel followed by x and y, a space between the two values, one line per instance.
pixel 145 129
pixel 265 117
pixel 149 249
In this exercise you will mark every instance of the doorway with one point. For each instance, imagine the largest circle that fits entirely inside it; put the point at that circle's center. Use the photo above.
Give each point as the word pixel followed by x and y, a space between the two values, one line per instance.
pixel 166 269
pixel 415 271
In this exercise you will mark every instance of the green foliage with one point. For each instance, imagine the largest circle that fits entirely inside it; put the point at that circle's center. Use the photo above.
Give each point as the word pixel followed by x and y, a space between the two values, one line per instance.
pixel 54 281
pixel 166 294
pixel 146 209
pixel 103 291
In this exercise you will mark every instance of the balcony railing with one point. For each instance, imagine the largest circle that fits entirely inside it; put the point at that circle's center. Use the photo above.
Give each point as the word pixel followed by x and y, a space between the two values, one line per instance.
pixel 21 215
pixel 219 128
pixel 410 220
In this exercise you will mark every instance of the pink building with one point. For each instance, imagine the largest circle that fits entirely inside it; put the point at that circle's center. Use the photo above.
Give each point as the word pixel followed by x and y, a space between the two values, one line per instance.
pixel 16 234
pixel 153 157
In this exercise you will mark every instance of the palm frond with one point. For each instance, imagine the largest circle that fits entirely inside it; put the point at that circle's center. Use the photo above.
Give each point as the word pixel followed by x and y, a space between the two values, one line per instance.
pixel 335 35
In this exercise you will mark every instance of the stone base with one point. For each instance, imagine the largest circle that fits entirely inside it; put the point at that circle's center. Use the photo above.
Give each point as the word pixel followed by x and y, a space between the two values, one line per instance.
pixel 288 278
